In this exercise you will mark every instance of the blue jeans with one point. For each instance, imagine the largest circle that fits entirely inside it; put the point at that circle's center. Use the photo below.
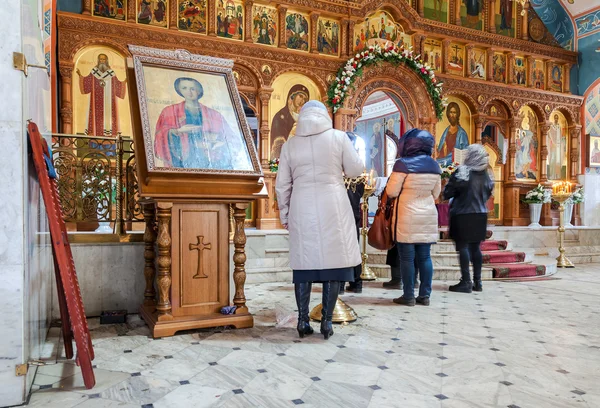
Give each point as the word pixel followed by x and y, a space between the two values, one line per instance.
pixel 421 255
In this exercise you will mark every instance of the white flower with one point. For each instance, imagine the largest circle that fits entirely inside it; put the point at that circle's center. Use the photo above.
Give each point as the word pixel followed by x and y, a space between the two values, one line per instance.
pixel 347 80
pixel 357 56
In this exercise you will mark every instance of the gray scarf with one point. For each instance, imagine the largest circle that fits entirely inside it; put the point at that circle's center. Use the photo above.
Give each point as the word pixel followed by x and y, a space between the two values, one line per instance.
pixel 477 160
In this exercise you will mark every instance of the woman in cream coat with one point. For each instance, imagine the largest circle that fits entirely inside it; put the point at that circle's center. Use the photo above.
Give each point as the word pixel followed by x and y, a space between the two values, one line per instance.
pixel 416 182
pixel 314 207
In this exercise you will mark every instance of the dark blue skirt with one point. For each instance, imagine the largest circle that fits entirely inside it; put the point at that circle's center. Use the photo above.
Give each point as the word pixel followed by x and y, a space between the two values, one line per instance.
pixel 324 275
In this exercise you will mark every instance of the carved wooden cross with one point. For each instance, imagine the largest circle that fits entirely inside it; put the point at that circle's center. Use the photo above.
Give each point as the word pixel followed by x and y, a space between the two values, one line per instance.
pixel 200 246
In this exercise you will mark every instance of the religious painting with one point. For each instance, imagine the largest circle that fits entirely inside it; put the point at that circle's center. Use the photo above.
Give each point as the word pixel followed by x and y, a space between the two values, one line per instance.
pixel 230 19
pixel 555 82
pixel 456 59
pixel 192 115
pixel 328 37
pixel 290 92
pixel 115 9
pixel 453 132
pixel 499 67
pixel 519 73
pixel 432 54
pixel 153 12
pixel 436 10
pixel 192 16
pixel 100 99
pixel 296 31
pixel 526 157
pixel 380 135
pixel 504 17
pixel 538 76
pixel 264 25
pixel 477 63
pixel 471 14
pixel 593 151
pixel 556 140
pixel 379 27
pixel 494 203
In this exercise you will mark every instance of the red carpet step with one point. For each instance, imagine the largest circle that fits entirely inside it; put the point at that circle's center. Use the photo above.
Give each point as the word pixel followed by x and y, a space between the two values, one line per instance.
pixel 517 270
pixel 502 257
pixel 491 245
pixel 446 234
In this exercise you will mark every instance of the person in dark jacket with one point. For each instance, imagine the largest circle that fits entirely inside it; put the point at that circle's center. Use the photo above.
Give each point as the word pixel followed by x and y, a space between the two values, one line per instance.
pixel 470 187
pixel 416 183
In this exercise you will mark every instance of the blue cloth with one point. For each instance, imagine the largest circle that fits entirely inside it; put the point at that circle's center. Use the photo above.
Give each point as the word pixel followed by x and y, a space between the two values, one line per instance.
pixel 49 164
pixel 421 254
pixel 416 148
pixel 228 310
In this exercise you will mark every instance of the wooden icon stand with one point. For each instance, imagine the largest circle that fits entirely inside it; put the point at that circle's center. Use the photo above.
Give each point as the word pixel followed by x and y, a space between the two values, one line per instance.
pixel 187 210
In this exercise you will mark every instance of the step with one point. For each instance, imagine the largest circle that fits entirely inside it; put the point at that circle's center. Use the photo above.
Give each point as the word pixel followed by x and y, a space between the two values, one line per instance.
pixel 269 262
pixel 265 275
pixel 439 272
pixel 438 259
pixel 277 252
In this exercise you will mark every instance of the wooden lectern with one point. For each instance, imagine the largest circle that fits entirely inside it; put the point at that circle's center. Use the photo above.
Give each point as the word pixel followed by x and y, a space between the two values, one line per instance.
pixel 196 163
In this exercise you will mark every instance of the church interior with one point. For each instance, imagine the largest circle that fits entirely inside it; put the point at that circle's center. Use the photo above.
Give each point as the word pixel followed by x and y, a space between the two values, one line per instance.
pixel 142 268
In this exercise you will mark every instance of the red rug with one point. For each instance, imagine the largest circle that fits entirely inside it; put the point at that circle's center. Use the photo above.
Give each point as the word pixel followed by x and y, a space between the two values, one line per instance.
pixel 517 270
pixel 502 257
pixel 491 245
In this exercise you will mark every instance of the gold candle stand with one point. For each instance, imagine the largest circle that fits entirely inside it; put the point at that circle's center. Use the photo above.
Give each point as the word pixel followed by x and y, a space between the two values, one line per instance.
pixel 367 274
pixel 562 261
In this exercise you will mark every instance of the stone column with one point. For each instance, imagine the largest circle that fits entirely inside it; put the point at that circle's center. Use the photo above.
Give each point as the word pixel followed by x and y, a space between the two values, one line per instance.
pixel 131 12
pixel 525 23
pixel 173 15
pixel 567 78
pixel 66 93
pixel 248 20
pixel 489 73
pixel 421 7
pixel 510 63
pixel 282 13
pixel 445 55
pixel 529 71
pixel 211 17
pixel 163 307
pixel 239 257
pixel 314 21
pixel 345 38
pixel 87 7
pixel 544 128
pixel 573 166
pixel 491 16
pixel 455 17
pixel 264 94
pixel 512 149
pixel 479 121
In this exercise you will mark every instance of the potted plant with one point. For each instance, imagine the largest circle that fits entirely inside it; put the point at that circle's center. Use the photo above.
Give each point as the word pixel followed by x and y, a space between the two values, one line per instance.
pixel 576 198
pixel 536 198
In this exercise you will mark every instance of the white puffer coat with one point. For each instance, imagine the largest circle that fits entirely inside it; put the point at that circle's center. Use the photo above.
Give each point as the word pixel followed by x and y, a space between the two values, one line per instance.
pixel 311 195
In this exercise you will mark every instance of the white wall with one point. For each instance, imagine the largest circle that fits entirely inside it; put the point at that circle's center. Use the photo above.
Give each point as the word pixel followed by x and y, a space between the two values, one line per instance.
pixel 25 263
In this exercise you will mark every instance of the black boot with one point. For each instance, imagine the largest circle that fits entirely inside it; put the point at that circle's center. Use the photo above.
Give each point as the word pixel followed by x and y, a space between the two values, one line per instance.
pixel 464 286
pixel 302 291
pixel 330 292
pixel 477 287
pixel 342 286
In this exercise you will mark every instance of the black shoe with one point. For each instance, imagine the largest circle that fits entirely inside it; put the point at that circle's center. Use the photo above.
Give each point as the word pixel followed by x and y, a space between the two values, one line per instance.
pixel 355 287
pixel 423 300
pixel 477 287
pixel 393 284
pixel 403 301
pixel 302 292
pixel 342 289
pixel 463 287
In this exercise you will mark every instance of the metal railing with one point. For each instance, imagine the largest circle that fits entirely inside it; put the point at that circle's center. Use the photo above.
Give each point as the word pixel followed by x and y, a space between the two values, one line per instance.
pixel 97 182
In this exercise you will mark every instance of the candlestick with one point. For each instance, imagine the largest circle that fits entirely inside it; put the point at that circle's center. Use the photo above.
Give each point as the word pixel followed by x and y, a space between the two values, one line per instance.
pixel 367 274
pixel 562 261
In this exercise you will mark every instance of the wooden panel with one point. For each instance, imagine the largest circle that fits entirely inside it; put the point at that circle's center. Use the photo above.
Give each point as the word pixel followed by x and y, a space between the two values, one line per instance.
pixel 200 268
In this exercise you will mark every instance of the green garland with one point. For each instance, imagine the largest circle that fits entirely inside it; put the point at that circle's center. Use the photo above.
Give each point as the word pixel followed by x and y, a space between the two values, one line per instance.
pixel 375 55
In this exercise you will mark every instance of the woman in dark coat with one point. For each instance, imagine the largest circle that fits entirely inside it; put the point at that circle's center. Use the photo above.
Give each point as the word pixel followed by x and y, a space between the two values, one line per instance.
pixel 470 187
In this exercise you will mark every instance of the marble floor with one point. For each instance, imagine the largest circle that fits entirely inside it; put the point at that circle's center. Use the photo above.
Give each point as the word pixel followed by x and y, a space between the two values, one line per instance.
pixel 517 344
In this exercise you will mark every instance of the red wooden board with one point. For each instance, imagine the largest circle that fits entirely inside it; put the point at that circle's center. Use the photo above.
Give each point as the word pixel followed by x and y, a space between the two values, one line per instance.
pixel 74 323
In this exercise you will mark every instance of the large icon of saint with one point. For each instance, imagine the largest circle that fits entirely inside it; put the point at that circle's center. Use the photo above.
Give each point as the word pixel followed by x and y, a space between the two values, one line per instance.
pixel 454 139
pixel 283 125
pixel 555 149
pixel 376 150
pixel 595 153
pixel 526 157
pixel 104 88
pixel 191 135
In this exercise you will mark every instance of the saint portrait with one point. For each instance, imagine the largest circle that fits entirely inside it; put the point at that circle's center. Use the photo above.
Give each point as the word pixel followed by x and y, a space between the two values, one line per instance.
pixel 519 71
pixel 230 19
pixel 379 28
pixel 328 36
pixel 283 125
pixel 504 17
pixel 499 68
pixel 432 54
pixel 104 88
pixel 557 147
pixel 594 159
pixel 153 12
pixel 526 157
pixel 538 77
pixel 456 63
pixel 470 14
pixel 454 140
pixel 436 10
pixel 296 31
pixel 115 9
pixel 556 83
pixel 264 25
pixel 477 63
